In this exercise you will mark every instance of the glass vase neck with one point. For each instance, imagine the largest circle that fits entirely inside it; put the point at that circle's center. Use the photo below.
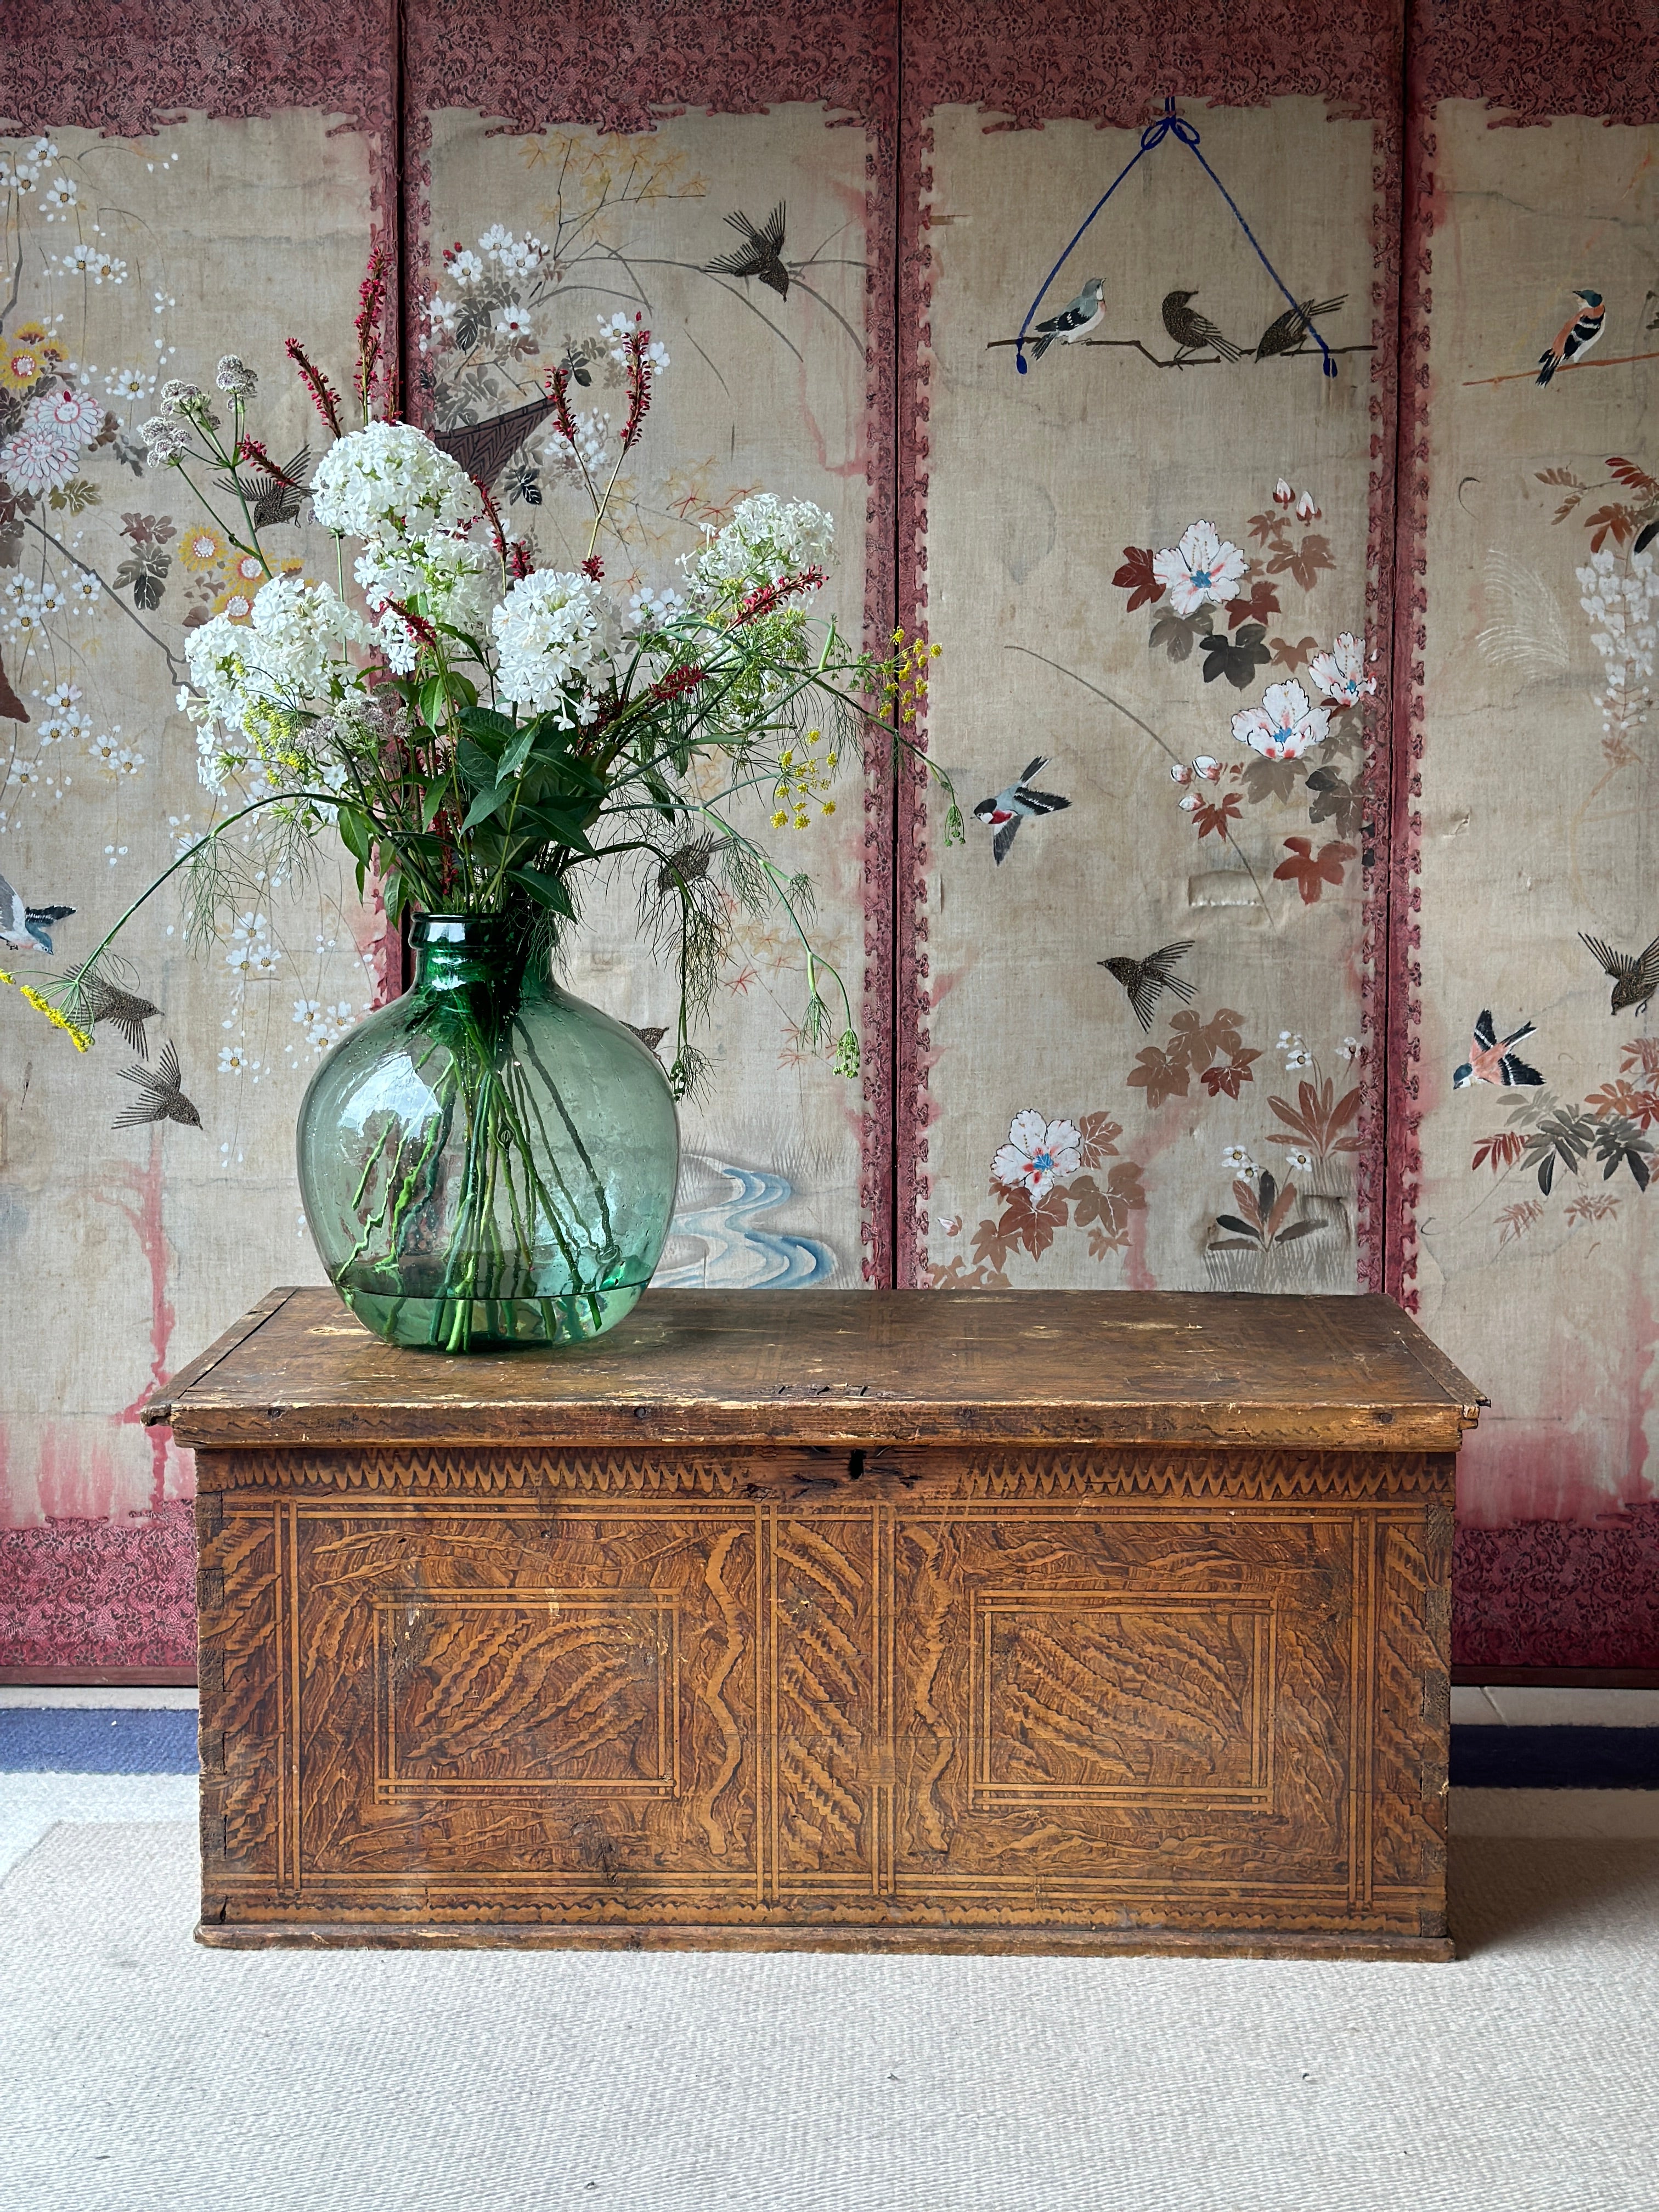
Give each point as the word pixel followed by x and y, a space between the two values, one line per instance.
pixel 455 948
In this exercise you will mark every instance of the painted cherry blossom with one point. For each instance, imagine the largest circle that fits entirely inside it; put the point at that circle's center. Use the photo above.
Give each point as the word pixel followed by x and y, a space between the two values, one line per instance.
pixel 1202 568
pixel 1283 492
pixel 1340 673
pixel 1285 725
pixel 1307 508
pixel 1036 1152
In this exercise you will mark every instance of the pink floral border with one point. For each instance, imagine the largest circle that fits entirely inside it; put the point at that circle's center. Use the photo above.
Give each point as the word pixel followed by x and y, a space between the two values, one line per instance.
pixel 1038 61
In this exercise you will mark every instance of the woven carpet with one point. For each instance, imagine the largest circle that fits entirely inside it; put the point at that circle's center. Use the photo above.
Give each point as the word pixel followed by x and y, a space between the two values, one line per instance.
pixel 142 2074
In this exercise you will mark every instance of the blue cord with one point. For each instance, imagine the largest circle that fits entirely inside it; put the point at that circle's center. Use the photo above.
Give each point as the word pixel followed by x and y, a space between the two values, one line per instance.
pixel 1154 135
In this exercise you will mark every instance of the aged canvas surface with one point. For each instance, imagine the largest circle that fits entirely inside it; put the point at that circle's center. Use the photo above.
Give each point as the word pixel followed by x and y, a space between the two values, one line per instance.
pixel 1536 1251
pixel 128 261
pixel 1094 704
pixel 538 242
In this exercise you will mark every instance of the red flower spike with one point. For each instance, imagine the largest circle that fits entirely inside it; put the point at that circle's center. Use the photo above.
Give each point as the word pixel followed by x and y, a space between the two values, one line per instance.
pixel 371 299
pixel 493 517
pixel 556 386
pixel 521 559
pixel 594 567
pixel 421 627
pixel 773 595
pixel 678 683
pixel 254 453
pixel 639 385
pixel 323 397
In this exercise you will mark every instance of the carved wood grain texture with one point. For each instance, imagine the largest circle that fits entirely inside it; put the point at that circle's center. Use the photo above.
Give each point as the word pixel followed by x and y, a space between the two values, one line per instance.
pixel 919 1696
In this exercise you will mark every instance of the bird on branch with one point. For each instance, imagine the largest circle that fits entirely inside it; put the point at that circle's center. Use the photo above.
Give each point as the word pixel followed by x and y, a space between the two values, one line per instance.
pixel 1074 322
pixel 1192 331
pixel 1290 329
pixel 1575 337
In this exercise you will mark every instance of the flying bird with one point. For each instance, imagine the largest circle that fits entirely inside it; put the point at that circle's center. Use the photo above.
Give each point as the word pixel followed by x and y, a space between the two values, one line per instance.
pixel 1490 1059
pixel 279 498
pixel 484 449
pixel 1015 804
pixel 650 1038
pixel 1192 331
pixel 1074 322
pixel 1287 333
pixel 1635 976
pixel 760 255
pixel 1575 335
pixel 124 1011
pixel 23 926
pixel 1145 980
pixel 162 1098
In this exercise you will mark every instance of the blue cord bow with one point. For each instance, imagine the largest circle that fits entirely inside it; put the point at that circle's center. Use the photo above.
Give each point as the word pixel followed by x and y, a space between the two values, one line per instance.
pixel 1168 124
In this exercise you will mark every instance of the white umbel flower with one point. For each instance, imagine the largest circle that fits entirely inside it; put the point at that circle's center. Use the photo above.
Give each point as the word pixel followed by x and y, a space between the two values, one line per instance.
pixel 390 480
pixel 457 581
pixel 554 630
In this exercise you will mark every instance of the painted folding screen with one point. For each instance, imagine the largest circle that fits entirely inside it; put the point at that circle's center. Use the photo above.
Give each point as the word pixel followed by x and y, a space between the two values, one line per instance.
pixel 1523 1044
pixel 726 175
pixel 1139 1022
pixel 174 185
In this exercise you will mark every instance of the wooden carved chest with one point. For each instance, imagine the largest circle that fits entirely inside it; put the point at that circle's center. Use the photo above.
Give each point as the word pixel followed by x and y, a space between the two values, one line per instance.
pixel 917 1620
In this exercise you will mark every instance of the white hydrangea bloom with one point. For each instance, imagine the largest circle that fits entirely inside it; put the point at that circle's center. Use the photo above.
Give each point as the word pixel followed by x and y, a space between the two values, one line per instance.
pixel 766 540
pixel 553 630
pixel 251 680
pixel 458 582
pixel 389 479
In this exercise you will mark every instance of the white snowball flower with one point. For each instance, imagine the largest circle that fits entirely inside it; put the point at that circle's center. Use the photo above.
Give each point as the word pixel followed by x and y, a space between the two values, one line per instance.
pixel 766 540
pixel 256 680
pixel 390 479
pixel 553 630
pixel 458 582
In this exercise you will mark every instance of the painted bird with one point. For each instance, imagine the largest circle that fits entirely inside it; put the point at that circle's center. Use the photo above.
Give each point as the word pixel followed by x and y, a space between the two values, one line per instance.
pixel 1287 333
pixel 1192 331
pixel 760 254
pixel 1575 337
pixel 26 926
pixel 162 1098
pixel 276 499
pixel 1074 322
pixel 650 1038
pixel 1635 976
pixel 1014 803
pixel 1145 980
pixel 124 1011
pixel 1490 1059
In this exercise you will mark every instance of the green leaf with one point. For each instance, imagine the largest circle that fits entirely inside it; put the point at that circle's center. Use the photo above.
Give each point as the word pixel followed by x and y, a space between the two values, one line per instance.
pixel 484 723
pixel 431 799
pixel 476 766
pixel 356 833
pixel 548 827
pixel 434 701
pixel 548 889
pixel 516 755
pixel 487 804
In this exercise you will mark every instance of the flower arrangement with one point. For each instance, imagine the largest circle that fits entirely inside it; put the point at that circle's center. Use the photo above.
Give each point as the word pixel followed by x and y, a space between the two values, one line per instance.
pixel 487 736
pixel 490 738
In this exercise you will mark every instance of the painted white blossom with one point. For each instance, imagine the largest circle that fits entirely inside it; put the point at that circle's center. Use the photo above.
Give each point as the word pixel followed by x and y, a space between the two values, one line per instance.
pixel 616 330
pixel 592 433
pixel 514 326
pixel 1340 673
pixel 649 609
pixel 1036 1152
pixel 1285 725
pixel 1350 1049
pixel 59 198
pixel 1619 597
pixel 1297 1053
pixel 465 267
pixel 555 631
pixel 128 384
pixel 766 540
pixel 388 479
pixel 1204 566
pixel 1238 1162
pixel 1299 1159
pixel 45 451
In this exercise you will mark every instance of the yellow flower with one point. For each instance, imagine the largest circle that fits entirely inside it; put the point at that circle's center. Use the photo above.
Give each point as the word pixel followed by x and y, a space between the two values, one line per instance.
pixel 42 1004
pixel 780 818
pixel 829 806
pixel 934 651
pixel 202 548
pixel 26 358
pixel 235 601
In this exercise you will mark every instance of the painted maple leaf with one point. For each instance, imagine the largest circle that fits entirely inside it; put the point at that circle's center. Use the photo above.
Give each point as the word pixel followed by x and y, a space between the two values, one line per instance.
pixel 1310 871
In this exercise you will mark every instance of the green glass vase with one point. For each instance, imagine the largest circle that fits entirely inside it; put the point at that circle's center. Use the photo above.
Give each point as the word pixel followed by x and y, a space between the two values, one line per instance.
pixel 488 1162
